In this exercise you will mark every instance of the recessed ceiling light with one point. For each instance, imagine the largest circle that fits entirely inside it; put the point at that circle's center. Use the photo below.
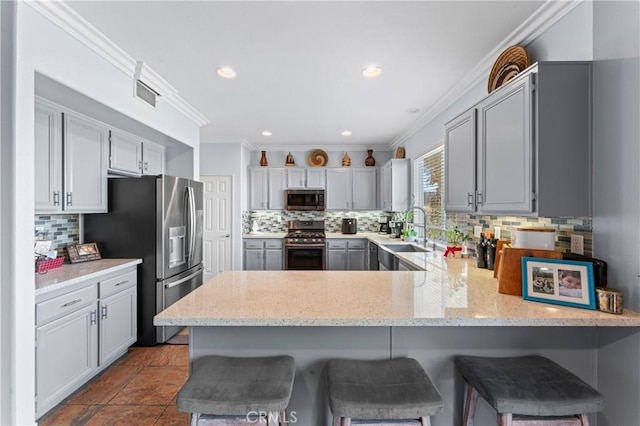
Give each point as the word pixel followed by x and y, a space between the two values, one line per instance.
pixel 226 72
pixel 346 133
pixel 413 110
pixel 267 133
pixel 371 71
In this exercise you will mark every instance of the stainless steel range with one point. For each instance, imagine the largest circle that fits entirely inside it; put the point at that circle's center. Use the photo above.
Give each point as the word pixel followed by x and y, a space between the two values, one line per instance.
pixel 304 245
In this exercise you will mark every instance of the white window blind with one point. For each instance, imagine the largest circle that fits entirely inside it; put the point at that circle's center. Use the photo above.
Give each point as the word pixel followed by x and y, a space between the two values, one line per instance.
pixel 428 185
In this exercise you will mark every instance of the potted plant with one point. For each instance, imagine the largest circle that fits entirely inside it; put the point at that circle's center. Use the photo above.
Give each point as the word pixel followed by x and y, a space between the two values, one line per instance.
pixel 409 235
pixel 455 237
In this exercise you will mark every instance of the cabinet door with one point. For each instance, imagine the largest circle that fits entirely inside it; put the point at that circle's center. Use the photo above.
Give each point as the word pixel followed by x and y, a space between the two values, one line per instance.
pixel 258 189
pixel 85 165
pixel 273 260
pixel 315 178
pixel 277 185
pixel 385 187
pixel 364 188
pixel 338 193
pixel 152 159
pixel 296 178
pixel 505 151
pixel 356 260
pixel 125 152
pixel 254 260
pixel 460 163
pixel 48 154
pixel 65 356
pixel 118 324
pixel 337 260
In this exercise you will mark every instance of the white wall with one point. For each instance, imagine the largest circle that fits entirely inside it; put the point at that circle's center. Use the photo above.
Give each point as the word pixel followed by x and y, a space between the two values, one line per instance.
pixel 45 48
pixel 226 160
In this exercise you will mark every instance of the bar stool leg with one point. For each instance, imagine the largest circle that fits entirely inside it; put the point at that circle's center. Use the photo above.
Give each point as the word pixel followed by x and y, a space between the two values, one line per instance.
pixel 346 421
pixel 425 421
pixel 505 419
pixel 584 419
pixel 470 405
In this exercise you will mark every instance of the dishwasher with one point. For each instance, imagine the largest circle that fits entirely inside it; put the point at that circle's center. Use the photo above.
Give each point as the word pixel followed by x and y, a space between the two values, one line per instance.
pixel 373 257
pixel 387 260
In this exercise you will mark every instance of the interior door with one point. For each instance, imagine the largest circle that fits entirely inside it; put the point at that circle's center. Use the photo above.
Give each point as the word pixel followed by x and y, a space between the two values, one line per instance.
pixel 217 225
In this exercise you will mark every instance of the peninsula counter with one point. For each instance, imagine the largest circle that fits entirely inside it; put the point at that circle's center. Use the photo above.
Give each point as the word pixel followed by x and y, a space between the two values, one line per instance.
pixel 450 308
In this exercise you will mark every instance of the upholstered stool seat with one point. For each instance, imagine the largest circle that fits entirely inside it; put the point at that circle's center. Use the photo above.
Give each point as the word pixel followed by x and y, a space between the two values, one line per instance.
pixel 527 386
pixel 228 386
pixel 393 389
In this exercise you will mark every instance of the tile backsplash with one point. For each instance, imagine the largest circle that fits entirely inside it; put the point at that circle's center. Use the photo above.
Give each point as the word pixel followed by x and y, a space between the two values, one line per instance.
pixel 278 220
pixel 61 229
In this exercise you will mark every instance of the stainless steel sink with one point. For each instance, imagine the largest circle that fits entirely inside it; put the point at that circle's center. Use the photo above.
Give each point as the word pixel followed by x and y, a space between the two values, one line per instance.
pixel 405 248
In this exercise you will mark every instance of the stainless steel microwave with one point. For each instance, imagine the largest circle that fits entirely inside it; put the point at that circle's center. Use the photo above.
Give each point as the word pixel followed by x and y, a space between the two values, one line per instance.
pixel 304 199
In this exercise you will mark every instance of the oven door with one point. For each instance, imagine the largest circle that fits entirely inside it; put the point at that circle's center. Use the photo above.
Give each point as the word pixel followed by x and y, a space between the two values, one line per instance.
pixel 304 257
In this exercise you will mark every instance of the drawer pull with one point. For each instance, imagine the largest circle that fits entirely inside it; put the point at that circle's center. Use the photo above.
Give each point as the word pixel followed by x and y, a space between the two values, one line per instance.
pixel 121 282
pixel 73 302
pixel 104 312
pixel 93 319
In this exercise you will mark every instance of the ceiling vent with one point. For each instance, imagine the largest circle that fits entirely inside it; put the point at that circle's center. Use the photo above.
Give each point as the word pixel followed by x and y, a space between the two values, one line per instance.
pixel 142 90
pixel 146 93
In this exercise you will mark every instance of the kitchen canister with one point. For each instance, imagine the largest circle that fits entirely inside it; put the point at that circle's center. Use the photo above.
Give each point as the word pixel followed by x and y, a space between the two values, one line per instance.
pixel 535 238
pixel 609 300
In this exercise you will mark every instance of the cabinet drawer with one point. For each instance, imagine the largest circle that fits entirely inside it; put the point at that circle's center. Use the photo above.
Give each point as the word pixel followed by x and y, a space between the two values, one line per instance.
pixel 336 244
pixel 356 244
pixel 253 244
pixel 118 283
pixel 65 304
pixel 273 244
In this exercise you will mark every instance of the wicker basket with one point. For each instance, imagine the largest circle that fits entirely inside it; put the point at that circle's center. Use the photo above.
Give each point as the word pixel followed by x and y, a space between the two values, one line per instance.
pixel 43 265
pixel 512 61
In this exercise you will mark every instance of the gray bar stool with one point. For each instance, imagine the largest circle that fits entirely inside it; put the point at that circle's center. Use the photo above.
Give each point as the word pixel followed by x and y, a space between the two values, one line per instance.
pixel 527 390
pixel 227 390
pixel 396 389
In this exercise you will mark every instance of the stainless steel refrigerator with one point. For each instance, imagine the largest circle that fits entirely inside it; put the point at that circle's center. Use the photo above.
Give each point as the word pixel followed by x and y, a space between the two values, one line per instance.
pixel 158 219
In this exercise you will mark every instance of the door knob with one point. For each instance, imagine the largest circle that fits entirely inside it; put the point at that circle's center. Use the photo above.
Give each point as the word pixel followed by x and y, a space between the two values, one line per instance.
pixel 227 236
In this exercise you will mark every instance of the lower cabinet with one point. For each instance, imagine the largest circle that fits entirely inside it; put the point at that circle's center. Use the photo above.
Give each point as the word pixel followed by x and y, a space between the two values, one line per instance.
pixel 263 254
pixel 81 332
pixel 346 254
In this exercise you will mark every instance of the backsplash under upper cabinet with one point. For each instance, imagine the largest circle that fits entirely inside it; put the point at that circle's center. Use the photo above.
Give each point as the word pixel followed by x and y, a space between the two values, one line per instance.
pixel 62 230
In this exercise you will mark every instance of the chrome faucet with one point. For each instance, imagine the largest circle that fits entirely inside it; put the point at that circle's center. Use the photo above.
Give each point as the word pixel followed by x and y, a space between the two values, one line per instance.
pixel 424 222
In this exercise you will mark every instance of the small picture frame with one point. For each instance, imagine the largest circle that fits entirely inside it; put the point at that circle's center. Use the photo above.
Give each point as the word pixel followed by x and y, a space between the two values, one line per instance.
pixel 83 252
pixel 558 281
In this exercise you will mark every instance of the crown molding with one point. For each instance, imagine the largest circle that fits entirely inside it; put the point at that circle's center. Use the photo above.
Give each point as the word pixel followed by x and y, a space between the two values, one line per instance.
pixel 79 28
pixel 306 147
pixel 541 20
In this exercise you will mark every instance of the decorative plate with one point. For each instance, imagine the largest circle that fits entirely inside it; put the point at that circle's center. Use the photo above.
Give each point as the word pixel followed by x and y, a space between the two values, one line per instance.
pixel 318 158
pixel 510 62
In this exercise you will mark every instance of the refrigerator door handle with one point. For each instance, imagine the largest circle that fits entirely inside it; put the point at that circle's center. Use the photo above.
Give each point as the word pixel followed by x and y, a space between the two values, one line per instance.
pixel 192 220
pixel 182 280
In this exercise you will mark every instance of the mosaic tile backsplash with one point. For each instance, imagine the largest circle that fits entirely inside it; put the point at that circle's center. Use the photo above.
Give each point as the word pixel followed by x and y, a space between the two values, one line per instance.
pixel 62 229
pixel 278 220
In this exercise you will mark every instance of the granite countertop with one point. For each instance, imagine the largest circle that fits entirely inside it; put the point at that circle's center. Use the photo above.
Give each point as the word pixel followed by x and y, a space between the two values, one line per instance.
pixel 451 292
pixel 55 280
pixel 264 235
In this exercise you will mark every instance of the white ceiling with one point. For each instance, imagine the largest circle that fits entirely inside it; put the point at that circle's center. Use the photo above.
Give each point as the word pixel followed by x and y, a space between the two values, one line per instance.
pixel 299 63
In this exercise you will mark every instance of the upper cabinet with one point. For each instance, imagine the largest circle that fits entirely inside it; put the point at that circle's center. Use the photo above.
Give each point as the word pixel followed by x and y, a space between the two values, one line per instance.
pixel 351 188
pixel 277 185
pixel 71 153
pixel 395 185
pixel 258 193
pixel 525 148
pixel 300 177
pixel 132 155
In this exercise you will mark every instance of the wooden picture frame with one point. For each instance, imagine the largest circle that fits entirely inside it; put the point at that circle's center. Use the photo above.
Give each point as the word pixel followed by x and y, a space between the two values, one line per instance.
pixel 558 281
pixel 83 252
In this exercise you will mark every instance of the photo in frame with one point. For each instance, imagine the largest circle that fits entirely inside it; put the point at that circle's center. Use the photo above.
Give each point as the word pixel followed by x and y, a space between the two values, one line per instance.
pixel 83 252
pixel 558 281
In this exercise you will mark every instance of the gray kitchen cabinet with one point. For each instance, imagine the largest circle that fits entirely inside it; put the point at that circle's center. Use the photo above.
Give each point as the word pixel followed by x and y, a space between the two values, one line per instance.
pixel 86 153
pixel 277 185
pixel 131 154
pixel 532 139
pixel 351 189
pixel 395 185
pixel 48 157
pixel 263 254
pixel 316 178
pixel 301 177
pixel 346 254
pixel 460 148
pixel 258 193
pixel 80 332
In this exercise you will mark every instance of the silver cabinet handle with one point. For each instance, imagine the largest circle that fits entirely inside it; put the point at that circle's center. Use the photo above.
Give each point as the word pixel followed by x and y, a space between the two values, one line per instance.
pixel 140 165
pixel 469 199
pixel 120 283
pixel 73 302
pixel 93 318
pixel 146 165
pixel 104 313
pixel 69 198
pixel 480 198
pixel 56 198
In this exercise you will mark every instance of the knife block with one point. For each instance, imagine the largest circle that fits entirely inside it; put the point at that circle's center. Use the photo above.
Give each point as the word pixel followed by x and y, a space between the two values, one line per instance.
pixel 510 267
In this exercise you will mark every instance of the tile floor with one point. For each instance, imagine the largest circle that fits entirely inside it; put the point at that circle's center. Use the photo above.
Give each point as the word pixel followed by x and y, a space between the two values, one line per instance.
pixel 138 389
